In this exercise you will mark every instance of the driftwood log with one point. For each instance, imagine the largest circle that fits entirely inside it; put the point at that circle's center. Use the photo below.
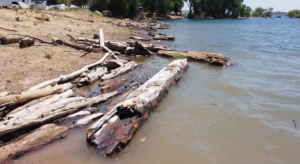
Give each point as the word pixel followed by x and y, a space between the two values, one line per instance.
pixel 116 128
pixel 139 38
pixel 161 37
pixel 43 19
pixel 210 58
pixel 49 113
pixel 9 39
pixel 87 120
pixel 119 100
pixel 33 141
pixel 26 96
pixel 56 41
pixel 121 70
pixel 26 42
pixel 92 76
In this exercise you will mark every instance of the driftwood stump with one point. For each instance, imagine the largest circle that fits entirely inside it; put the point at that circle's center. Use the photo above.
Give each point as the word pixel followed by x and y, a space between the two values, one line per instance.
pixel 26 42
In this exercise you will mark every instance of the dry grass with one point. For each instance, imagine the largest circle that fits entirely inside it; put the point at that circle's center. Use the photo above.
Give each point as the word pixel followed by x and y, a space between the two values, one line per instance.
pixel 23 68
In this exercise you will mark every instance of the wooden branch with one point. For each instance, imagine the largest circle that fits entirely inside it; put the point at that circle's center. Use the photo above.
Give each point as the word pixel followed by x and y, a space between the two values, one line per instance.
pixel 20 38
pixel 32 142
pixel 116 128
pixel 43 19
pixel 210 58
pixel 72 38
pixel 8 29
pixel 49 113
pixel 69 76
pixel 31 95
pixel 76 46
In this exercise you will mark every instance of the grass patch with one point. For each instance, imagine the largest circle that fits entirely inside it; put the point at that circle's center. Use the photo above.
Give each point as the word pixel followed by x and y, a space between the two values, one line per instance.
pixel 48 56
pixel 179 57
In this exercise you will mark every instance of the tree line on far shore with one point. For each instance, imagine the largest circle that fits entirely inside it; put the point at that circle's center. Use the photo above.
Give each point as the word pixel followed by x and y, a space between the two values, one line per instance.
pixel 294 14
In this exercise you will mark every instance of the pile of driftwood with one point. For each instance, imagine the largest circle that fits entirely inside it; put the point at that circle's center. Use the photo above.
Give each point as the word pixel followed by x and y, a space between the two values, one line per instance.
pixel 142 25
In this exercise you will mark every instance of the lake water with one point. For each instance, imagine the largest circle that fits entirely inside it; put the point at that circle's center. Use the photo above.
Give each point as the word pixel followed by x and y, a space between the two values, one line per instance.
pixel 233 115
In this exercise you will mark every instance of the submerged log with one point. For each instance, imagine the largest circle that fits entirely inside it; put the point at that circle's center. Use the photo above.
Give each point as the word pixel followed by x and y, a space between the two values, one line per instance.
pixel 87 120
pixel 210 58
pixel 9 39
pixel 50 113
pixel 92 76
pixel 115 129
pixel 121 70
pixel 34 141
pixel 112 85
pixel 30 95
pixel 26 42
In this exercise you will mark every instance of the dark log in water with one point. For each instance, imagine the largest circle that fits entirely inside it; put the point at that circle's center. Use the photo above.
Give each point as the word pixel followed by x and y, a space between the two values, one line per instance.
pixel 210 58
pixel 32 142
pixel 117 127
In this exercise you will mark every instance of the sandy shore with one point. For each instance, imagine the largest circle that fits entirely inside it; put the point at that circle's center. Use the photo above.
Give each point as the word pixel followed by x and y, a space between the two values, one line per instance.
pixel 23 68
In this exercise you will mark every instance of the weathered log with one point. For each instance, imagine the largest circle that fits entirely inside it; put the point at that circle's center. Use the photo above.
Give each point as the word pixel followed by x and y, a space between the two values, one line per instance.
pixel 102 44
pixel 119 71
pixel 69 76
pixel 87 120
pixel 92 76
pixel 4 94
pixel 77 46
pixel 72 38
pixel 160 37
pixel 118 126
pixel 49 113
pixel 43 18
pixel 96 36
pixel 31 103
pixel 34 141
pixel 119 100
pixel 112 85
pixel 117 46
pixel 9 39
pixel 155 33
pixel 139 38
pixel 30 95
pixel 47 102
pixel 114 64
pixel 78 114
pixel 26 42
pixel 142 49
pixel 210 58
pixel 56 41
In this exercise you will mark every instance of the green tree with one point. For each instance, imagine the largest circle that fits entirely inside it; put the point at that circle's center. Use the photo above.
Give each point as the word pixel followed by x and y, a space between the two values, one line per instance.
pixel 269 12
pixel 260 11
pixel 294 14
pixel 255 14
pixel 178 5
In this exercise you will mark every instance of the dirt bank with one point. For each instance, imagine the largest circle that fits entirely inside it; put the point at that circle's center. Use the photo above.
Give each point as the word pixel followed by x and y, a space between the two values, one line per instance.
pixel 23 68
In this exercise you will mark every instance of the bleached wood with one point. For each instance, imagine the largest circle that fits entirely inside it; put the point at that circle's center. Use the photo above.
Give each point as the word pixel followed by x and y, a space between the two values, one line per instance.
pixel 87 119
pixel 121 70
pixel 92 76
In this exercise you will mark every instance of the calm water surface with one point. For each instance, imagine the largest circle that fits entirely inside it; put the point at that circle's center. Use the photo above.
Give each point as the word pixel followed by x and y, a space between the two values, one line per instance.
pixel 242 114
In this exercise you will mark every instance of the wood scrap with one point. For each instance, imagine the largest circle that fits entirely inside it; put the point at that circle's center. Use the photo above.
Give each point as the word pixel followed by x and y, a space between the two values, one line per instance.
pixel 9 39
pixel 210 58
pixel 49 113
pixel 26 42
pixel 33 141
pixel 87 120
pixel 119 71
pixel 31 95
pixel 43 18
pixel 139 38
pixel 116 128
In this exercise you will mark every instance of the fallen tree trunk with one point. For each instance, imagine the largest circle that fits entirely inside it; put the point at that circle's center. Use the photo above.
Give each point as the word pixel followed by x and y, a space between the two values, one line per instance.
pixel 210 58
pixel 122 98
pixel 34 141
pixel 92 76
pixel 77 46
pixel 69 76
pixel 117 127
pixel 30 95
pixel 87 120
pixel 50 113
pixel 121 70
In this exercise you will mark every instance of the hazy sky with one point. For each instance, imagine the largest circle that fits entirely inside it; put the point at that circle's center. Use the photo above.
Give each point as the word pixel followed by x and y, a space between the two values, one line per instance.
pixel 278 5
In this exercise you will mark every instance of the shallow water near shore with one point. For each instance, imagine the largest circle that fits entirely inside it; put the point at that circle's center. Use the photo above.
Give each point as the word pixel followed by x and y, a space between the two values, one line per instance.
pixel 242 114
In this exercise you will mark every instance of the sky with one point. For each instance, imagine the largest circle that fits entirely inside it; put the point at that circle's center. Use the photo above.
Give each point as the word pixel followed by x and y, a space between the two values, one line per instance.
pixel 278 5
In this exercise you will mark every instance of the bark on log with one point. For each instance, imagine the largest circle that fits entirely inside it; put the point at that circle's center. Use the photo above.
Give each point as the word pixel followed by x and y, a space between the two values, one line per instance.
pixel 119 71
pixel 210 58
pixel 50 113
pixel 87 120
pixel 77 46
pixel 9 39
pixel 92 76
pixel 56 41
pixel 112 85
pixel 26 42
pixel 114 64
pixel 117 127
pixel 30 95
pixel 43 19
pixel 117 46
pixel 34 141
pixel 142 49
pixel 160 37
pixel 69 76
